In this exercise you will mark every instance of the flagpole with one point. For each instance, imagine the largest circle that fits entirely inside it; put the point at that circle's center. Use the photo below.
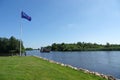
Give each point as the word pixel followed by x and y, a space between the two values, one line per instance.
pixel 23 15
pixel 20 38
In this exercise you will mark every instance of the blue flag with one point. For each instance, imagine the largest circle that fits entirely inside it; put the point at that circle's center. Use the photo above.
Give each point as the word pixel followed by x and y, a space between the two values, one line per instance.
pixel 24 15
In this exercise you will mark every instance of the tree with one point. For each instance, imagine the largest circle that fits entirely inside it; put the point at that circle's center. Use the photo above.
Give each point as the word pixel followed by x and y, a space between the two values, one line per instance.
pixel 54 47
pixel 107 44
pixel 82 46
pixel 10 45
pixel 28 48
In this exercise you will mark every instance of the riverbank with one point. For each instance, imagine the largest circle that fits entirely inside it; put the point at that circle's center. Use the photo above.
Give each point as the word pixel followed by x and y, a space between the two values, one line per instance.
pixel 32 68
pixel 81 69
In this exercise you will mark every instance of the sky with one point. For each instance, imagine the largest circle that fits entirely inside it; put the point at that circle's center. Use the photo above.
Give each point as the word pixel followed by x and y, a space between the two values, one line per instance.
pixel 57 21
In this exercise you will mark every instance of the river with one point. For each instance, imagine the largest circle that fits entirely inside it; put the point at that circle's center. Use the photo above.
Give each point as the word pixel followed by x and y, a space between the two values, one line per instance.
pixel 105 62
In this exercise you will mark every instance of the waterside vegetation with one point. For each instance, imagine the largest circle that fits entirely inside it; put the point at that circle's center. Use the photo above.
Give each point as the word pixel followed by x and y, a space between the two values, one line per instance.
pixel 29 48
pixel 10 46
pixel 82 46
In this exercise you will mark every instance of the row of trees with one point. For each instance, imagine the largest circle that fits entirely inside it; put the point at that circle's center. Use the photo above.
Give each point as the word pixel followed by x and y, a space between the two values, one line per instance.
pixel 82 46
pixel 29 48
pixel 11 45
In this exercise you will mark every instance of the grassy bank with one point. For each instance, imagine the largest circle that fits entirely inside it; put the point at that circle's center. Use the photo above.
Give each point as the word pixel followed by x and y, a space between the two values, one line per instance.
pixel 32 68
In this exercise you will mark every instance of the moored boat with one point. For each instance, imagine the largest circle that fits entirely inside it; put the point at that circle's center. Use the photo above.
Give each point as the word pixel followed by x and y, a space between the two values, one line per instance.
pixel 43 49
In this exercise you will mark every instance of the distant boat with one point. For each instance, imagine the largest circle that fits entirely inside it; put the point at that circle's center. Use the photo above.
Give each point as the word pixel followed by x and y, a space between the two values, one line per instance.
pixel 44 50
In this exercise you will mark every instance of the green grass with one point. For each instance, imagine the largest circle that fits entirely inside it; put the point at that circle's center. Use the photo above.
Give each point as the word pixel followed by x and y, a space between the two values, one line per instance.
pixel 32 68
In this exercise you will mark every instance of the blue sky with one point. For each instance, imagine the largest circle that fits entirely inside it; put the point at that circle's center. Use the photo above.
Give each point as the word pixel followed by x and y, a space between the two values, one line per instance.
pixel 57 21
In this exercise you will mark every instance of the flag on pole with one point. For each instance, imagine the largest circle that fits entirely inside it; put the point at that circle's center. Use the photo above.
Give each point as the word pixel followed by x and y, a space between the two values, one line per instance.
pixel 25 16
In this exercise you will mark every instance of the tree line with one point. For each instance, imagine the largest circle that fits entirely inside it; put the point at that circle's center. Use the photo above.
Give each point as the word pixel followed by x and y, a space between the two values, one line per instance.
pixel 29 48
pixel 82 46
pixel 10 45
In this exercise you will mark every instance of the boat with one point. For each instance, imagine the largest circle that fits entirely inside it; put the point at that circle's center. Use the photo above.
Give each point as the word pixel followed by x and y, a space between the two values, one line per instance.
pixel 43 49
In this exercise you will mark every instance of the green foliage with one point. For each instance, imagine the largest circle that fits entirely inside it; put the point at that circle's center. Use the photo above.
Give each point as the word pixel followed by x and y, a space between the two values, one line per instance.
pixel 82 46
pixel 29 49
pixel 11 45
pixel 32 68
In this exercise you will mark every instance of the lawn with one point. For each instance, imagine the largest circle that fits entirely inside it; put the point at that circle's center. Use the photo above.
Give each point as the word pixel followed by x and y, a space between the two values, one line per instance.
pixel 32 68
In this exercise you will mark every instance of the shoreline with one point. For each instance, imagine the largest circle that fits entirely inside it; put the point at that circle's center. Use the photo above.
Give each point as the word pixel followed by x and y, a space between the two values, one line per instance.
pixel 84 51
pixel 108 77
